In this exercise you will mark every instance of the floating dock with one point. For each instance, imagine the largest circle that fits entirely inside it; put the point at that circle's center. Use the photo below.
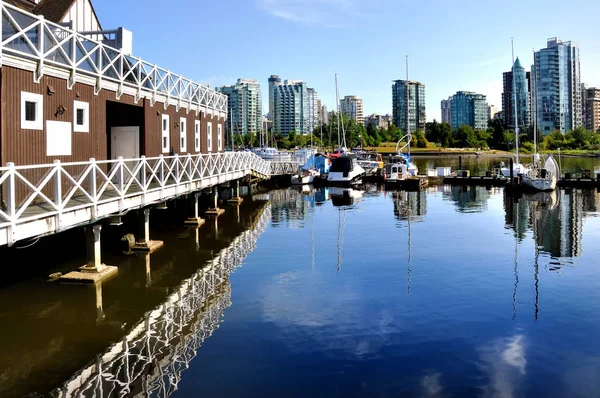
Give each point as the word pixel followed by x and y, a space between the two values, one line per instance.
pixel 478 180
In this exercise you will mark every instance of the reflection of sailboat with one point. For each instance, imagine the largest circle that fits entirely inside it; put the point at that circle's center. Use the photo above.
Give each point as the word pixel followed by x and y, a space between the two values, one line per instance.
pixel 409 245
pixel 340 241
pixel 344 196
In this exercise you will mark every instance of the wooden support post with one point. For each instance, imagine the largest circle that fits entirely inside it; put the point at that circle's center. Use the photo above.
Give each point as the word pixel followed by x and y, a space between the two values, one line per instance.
pixel 195 220
pixel 510 168
pixel 143 243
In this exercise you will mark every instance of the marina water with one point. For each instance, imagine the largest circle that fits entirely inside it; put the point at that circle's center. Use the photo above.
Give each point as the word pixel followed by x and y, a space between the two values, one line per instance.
pixel 448 292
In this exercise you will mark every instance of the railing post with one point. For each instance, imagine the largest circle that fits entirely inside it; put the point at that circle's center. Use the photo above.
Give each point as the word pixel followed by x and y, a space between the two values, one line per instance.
pixel 161 176
pixel 177 174
pixel 189 170
pixel 57 186
pixel 92 188
pixel 120 184
pixel 143 179
pixel 11 203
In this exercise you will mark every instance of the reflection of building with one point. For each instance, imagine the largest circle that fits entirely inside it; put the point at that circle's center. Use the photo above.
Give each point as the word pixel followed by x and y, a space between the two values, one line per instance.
pixel 413 204
pixel 555 218
pixel 469 198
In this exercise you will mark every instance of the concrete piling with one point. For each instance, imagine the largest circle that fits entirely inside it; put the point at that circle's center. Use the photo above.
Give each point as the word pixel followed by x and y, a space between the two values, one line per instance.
pixel 143 243
pixel 93 271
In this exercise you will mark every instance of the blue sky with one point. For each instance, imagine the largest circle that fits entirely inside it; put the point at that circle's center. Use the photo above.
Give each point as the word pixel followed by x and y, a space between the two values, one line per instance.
pixel 452 45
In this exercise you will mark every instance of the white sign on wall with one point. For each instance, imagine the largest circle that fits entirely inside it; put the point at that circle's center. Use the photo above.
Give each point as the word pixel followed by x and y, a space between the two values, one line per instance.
pixel 58 138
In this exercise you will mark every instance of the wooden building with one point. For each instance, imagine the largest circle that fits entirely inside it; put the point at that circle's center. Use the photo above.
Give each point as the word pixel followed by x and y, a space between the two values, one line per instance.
pixel 68 95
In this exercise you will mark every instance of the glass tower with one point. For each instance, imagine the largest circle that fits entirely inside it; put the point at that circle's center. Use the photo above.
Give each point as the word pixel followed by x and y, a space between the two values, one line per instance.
pixel 404 91
pixel 557 87
pixel 469 109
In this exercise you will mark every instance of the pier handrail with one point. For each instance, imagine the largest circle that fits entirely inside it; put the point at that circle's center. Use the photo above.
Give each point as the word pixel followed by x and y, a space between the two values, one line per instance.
pixel 33 43
pixel 36 192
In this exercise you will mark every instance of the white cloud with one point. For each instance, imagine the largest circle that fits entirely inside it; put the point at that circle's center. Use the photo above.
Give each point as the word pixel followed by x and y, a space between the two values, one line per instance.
pixel 331 13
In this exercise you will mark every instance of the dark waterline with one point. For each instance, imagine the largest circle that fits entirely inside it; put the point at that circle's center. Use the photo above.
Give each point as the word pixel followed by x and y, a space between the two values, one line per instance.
pixel 446 292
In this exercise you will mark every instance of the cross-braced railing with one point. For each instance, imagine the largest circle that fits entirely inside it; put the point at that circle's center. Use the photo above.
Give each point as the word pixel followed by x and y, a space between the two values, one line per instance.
pixel 151 358
pixel 44 199
pixel 31 42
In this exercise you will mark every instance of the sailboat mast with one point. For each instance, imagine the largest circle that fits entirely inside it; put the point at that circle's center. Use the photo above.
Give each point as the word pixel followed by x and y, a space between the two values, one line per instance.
pixel 534 106
pixel 337 100
pixel 408 107
pixel 515 98
pixel 231 130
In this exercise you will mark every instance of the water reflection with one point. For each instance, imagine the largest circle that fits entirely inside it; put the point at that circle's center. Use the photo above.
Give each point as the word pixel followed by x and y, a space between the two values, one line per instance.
pixel 470 199
pixel 555 218
pixel 504 363
pixel 411 205
pixel 150 359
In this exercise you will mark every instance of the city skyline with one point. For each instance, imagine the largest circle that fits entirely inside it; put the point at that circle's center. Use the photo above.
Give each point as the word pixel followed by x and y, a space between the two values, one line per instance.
pixel 444 58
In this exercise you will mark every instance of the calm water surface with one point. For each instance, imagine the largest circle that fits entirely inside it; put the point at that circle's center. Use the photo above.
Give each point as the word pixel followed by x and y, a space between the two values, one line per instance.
pixel 449 292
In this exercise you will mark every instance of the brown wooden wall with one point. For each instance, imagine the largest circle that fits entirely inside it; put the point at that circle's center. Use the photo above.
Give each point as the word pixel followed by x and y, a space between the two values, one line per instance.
pixel 153 135
pixel 24 147
pixel 29 146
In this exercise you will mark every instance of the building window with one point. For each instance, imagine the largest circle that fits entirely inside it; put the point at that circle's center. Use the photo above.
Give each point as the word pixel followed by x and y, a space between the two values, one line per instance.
pixel 182 135
pixel 165 134
pixel 209 137
pixel 219 137
pixel 197 136
pixel 32 106
pixel 81 124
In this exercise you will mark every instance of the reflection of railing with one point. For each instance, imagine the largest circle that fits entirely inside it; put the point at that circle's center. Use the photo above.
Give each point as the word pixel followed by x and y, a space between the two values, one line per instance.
pixel 56 50
pixel 150 359
pixel 45 199
pixel 284 168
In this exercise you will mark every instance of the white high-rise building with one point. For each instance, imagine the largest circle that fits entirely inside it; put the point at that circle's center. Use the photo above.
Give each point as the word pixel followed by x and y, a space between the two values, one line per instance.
pixel 446 106
pixel 313 109
pixel 352 105
pixel 294 106
pixel 557 87
pixel 244 106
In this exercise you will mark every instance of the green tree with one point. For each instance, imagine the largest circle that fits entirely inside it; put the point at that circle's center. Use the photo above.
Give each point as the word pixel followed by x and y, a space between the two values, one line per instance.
pixel 419 140
pixel 464 137
pixel 393 133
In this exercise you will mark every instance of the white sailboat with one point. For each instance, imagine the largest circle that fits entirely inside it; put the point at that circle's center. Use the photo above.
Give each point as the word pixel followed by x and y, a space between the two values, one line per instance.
pixel 402 167
pixel 345 169
pixel 540 178
pixel 518 168
pixel 308 172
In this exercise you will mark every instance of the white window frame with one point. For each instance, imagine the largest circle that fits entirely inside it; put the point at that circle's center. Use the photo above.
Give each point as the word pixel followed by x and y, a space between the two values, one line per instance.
pixel 164 138
pixel 182 134
pixel 38 123
pixel 209 137
pixel 197 135
pixel 219 137
pixel 85 127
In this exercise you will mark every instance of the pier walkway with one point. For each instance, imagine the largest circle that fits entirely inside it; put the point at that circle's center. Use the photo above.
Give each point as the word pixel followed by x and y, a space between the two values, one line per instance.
pixel 40 200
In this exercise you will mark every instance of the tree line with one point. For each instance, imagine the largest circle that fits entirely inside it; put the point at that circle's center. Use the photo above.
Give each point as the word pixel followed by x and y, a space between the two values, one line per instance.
pixel 436 135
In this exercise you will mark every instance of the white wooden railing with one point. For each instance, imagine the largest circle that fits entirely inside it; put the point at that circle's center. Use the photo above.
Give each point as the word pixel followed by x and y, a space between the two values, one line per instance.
pixel 150 359
pixel 44 199
pixel 31 42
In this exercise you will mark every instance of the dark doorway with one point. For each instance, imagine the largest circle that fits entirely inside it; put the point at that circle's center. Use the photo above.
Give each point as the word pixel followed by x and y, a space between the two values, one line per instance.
pixel 123 139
